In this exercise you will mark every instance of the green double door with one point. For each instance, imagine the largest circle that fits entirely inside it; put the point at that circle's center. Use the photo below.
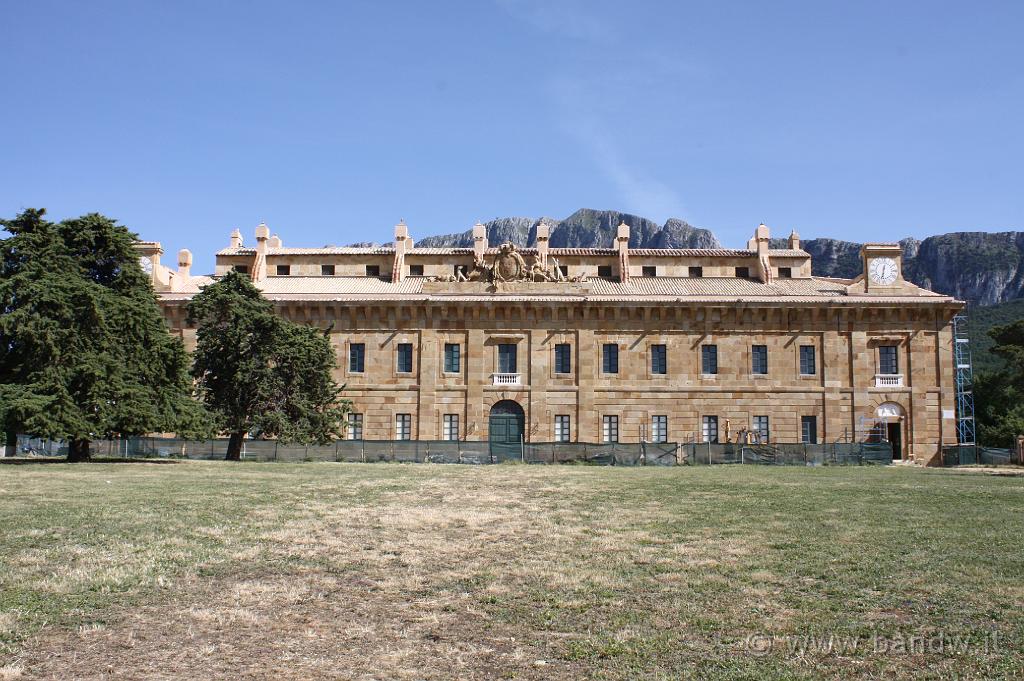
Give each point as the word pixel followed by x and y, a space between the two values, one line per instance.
pixel 506 430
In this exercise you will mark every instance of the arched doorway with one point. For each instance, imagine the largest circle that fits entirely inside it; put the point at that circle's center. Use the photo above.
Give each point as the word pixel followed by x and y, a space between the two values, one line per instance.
pixel 505 431
pixel 890 416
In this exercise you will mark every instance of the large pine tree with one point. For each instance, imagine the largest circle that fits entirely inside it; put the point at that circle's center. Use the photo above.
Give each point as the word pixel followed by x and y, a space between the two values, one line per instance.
pixel 84 351
pixel 258 373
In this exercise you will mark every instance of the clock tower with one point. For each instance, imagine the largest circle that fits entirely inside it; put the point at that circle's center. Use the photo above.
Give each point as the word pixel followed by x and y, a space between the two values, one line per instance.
pixel 883 268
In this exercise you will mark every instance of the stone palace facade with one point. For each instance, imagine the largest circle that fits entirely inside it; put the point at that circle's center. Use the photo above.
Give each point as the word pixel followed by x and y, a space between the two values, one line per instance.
pixel 610 344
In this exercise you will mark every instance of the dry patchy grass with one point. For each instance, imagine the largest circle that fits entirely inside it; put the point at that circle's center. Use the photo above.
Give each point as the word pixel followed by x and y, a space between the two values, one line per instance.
pixel 215 570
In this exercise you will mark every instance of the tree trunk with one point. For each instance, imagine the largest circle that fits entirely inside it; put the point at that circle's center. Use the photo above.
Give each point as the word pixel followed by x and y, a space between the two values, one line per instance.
pixel 78 450
pixel 10 443
pixel 235 447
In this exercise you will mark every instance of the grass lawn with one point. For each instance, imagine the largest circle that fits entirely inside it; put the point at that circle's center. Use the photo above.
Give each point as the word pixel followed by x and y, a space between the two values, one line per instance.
pixel 207 569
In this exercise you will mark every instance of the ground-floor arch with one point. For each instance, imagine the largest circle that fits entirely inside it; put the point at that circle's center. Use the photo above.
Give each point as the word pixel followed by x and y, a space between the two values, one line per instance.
pixel 506 425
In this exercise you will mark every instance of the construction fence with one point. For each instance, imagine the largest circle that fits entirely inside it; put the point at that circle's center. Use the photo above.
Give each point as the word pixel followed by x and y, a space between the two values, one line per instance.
pixel 967 455
pixel 436 451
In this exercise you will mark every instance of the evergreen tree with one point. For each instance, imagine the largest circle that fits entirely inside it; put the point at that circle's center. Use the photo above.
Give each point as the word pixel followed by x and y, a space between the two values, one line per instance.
pixel 999 394
pixel 84 351
pixel 258 373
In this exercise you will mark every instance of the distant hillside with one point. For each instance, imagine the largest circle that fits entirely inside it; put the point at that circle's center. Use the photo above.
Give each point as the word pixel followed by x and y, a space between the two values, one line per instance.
pixel 981 267
pixel 585 228
pixel 983 318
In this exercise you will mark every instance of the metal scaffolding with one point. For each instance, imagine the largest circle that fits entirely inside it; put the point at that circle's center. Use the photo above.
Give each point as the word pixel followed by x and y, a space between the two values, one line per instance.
pixel 964 376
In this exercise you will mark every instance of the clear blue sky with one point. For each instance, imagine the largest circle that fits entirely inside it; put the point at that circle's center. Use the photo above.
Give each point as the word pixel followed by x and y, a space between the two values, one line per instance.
pixel 332 120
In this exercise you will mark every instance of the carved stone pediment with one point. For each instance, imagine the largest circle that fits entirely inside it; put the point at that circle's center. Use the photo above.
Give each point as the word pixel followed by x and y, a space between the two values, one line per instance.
pixel 508 265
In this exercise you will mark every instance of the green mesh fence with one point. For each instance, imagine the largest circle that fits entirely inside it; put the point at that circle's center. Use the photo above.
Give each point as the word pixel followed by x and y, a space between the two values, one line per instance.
pixel 966 455
pixel 436 451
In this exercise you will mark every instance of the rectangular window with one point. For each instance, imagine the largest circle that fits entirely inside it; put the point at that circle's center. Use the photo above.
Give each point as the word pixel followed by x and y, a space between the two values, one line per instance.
pixel 373 270
pixel 356 357
pixel 415 270
pixel 761 428
pixel 459 270
pixel 284 270
pixel 709 359
pixel 326 270
pixel 604 271
pixel 403 426
pixel 650 271
pixel 452 361
pixel 696 272
pixel 659 429
pixel 659 359
pixel 610 429
pixel 355 426
pixel 887 361
pixel 709 429
pixel 785 273
pixel 405 358
pixel 450 427
pixel 759 359
pixel 807 361
pixel 809 430
pixel 507 358
pixel 564 269
pixel 562 428
pixel 610 358
pixel 241 269
pixel 743 272
pixel 563 358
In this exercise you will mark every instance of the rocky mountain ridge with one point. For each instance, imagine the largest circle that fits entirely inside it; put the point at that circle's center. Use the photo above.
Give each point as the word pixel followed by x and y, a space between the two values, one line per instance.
pixel 981 267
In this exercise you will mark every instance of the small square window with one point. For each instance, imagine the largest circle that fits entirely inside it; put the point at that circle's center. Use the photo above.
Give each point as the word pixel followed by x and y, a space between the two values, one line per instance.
pixel 610 358
pixel 659 359
pixel 415 270
pixel 355 426
pixel 284 270
pixel 459 270
pixel 759 359
pixel 761 429
pixel 241 269
pixel 809 430
pixel 562 428
pixel 563 358
pixel 650 271
pixel 696 272
pixel 356 358
pixel 373 270
pixel 327 270
pixel 452 362
pixel 604 271
pixel 785 273
pixel 807 363
pixel 564 269
pixel 404 358
pixel 450 427
pixel 709 359
pixel 610 429
pixel 743 272
pixel 659 429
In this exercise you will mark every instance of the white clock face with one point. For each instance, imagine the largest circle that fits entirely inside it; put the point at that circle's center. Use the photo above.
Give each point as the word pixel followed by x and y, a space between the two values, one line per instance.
pixel 883 271
pixel 147 265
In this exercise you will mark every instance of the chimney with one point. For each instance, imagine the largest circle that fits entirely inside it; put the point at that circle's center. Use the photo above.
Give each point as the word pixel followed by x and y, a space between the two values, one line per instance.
pixel 622 242
pixel 479 241
pixel 543 232
pixel 401 242
pixel 794 241
pixel 274 242
pixel 184 264
pixel 259 268
pixel 761 242
pixel 236 239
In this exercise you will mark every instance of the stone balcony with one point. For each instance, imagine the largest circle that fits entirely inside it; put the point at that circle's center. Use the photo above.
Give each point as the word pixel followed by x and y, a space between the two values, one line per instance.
pixel 507 379
pixel 888 380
